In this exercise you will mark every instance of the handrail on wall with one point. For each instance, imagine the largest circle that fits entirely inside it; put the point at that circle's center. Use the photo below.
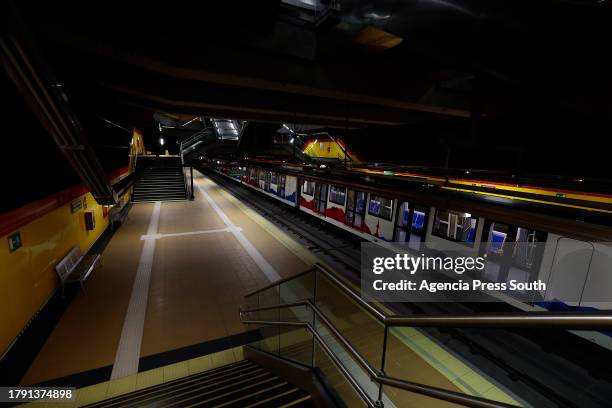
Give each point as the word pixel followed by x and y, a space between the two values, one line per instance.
pixel 556 320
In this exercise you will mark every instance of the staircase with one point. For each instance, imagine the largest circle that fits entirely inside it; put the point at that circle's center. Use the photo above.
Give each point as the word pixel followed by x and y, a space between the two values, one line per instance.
pixel 162 180
pixel 242 384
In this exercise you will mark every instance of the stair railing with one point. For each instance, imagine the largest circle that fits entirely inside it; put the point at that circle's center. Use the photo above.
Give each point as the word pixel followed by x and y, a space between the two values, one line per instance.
pixel 266 307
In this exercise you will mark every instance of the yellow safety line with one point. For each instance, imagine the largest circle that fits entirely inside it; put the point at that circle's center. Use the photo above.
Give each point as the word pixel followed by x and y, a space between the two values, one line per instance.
pixel 567 195
pixel 533 200
pixel 298 250
pixel 273 398
pixel 586 196
pixel 309 258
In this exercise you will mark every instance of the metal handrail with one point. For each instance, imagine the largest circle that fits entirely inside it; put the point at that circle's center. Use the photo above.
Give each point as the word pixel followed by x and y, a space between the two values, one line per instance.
pixel 582 320
pixel 559 320
pixel 596 320
pixel 379 376
pixel 375 375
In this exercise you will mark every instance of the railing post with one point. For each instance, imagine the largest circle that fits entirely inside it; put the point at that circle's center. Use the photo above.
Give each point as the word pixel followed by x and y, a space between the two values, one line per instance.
pixel 314 315
pixel 279 319
pixel 191 171
pixel 379 402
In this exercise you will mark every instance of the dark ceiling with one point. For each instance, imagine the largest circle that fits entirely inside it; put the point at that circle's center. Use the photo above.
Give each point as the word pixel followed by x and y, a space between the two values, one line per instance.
pixel 496 76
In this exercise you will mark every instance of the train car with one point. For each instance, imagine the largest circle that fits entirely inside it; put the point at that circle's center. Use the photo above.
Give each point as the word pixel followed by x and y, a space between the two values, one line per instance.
pixel 273 184
pixel 382 216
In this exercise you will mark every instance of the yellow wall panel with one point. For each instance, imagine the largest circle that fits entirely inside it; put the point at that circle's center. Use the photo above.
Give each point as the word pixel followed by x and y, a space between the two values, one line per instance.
pixel 27 276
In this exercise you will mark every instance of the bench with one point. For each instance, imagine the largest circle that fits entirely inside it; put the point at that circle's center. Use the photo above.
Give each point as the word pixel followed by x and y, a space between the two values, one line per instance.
pixel 76 267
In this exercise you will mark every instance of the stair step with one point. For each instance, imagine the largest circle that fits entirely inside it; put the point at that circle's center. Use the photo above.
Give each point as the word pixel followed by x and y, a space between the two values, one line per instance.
pixel 234 385
pixel 162 180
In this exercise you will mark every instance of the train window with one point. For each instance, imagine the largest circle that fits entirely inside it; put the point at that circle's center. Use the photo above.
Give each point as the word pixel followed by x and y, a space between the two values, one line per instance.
pixel 455 226
pixel 273 178
pixel 403 214
pixel 498 235
pixel 308 188
pixel 355 208
pixel 381 207
pixel 337 195
pixel 410 225
pixel 527 252
pixel 418 220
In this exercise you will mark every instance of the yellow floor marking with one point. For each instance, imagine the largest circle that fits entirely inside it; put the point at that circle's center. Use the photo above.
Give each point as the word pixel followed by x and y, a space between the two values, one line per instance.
pixel 222 358
pixel 145 379
pixel 121 386
pixel 176 370
pixel 530 199
pixel 200 364
pixel 238 353
pixel 149 378
pixel 298 249
pixel 445 363
pixel 91 394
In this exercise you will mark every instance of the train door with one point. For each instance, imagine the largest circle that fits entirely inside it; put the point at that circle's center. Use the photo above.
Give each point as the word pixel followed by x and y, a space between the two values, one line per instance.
pixel 320 197
pixel 282 179
pixel 513 252
pixel 410 224
pixel 402 224
pixel 355 208
pixel 267 177
pixel 569 271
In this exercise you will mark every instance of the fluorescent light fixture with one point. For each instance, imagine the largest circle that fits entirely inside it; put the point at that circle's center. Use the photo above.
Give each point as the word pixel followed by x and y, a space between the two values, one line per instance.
pixel 467 215
pixel 291 140
pixel 161 141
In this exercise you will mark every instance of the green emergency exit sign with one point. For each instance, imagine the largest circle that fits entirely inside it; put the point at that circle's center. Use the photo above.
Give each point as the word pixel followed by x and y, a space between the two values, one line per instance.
pixel 14 242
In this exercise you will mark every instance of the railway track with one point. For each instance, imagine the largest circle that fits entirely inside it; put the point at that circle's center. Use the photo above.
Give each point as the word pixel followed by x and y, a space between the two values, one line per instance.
pixel 338 249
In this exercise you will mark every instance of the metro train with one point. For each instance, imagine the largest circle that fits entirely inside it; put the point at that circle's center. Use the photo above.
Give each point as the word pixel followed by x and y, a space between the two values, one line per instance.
pixel 385 216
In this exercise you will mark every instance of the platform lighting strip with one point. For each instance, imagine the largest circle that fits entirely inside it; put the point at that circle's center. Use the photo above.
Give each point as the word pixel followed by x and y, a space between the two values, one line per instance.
pixel 599 198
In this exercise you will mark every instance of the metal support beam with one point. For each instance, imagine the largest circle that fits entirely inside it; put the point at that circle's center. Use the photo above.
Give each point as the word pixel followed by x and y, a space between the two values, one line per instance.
pixel 49 104
pixel 191 173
